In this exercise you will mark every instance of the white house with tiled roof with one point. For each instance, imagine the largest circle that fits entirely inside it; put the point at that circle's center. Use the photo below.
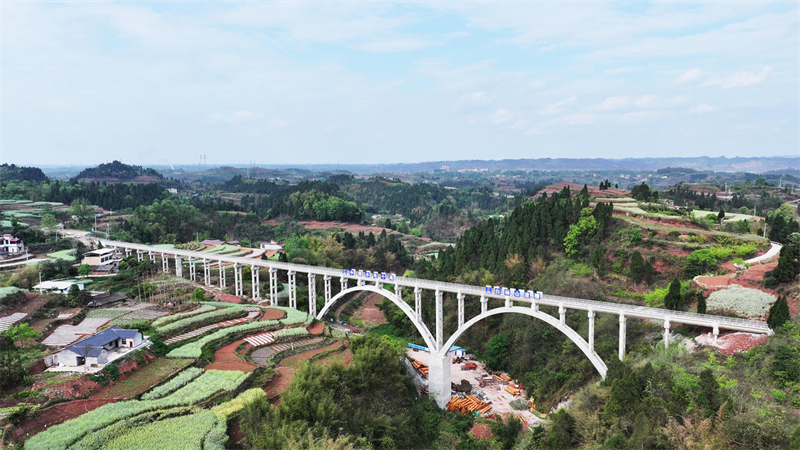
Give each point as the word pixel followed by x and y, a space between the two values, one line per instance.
pixel 11 245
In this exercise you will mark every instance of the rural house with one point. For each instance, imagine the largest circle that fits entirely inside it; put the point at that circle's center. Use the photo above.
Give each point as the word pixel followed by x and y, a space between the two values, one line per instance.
pixel 10 245
pixel 98 350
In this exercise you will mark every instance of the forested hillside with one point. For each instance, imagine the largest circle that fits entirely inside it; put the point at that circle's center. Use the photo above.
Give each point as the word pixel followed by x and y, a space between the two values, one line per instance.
pixel 21 173
pixel 117 171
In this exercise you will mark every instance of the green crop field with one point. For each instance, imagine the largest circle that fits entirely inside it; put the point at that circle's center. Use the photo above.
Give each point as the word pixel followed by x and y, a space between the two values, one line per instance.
pixel 146 377
pixel 67 255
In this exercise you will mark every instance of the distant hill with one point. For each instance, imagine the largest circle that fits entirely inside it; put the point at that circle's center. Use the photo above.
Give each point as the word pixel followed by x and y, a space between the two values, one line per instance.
pixel 117 172
pixel 702 163
pixel 225 173
pixel 14 172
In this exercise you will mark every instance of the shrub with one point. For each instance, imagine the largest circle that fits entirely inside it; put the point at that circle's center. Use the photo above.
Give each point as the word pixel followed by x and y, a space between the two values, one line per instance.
pixel 290 332
pixel 746 301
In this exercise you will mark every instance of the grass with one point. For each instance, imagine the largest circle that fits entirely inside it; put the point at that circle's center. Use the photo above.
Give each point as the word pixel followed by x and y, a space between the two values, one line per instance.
pixel 146 377
pixel 67 255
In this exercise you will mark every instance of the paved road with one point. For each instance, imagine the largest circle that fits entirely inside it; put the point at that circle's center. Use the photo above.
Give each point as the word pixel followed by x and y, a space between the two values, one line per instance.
pixel 774 250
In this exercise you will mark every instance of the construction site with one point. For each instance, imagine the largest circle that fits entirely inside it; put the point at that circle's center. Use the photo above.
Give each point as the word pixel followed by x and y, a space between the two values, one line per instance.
pixel 477 390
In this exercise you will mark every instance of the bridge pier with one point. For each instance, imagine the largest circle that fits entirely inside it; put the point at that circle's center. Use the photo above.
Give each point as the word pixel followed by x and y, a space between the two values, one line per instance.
pixel 139 255
pixel 292 289
pixel 273 286
pixel 192 269
pixel 418 303
pixel 439 377
pixel 716 332
pixel 222 284
pixel 312 294
pixel 127 252
pixel 562 314
pixel 328 293
pixel 484 304
pixel 207 272
pixel 238 285
pixel 178 266
pixel 460 297
pixel 256 282
pixel 439 319
pixel 152 257
pixel 165 262
pixel 591 330
pixel 622 328
pixel 343 283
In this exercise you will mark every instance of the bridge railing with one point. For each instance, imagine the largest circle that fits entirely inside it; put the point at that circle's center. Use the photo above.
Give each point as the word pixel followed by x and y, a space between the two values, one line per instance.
pixel 628 310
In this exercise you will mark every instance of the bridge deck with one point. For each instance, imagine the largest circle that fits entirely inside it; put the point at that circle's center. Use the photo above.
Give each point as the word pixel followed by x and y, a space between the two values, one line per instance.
pixel 645 312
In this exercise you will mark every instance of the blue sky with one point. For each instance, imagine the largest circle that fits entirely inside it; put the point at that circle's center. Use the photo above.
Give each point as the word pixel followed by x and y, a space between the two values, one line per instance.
pixel 379 82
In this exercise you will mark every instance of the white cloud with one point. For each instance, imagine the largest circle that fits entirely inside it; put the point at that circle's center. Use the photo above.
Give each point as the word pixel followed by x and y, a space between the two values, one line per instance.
pixel 235 117
pixel 613 103
pixel 397 45
pixel 701 108
pixel 581 119
pixel 741 79
pixel 501 116
pixel 689 75
pixel 558 107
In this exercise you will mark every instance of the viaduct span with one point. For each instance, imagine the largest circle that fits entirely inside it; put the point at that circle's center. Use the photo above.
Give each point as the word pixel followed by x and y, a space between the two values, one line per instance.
pixel 513 301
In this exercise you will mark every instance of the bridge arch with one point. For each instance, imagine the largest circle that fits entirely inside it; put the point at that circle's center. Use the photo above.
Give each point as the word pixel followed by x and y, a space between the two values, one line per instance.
pixel 555 322
pixel 421 328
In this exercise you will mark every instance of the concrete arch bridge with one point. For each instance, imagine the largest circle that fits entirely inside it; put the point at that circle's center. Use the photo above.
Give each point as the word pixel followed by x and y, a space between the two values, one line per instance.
pixel 513 302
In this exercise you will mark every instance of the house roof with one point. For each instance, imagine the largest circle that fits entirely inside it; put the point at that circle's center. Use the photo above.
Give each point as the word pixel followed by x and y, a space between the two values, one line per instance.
pixel 212 242
pixel 56 285
pixel 93 345
pixel 99 252
pixel 107 298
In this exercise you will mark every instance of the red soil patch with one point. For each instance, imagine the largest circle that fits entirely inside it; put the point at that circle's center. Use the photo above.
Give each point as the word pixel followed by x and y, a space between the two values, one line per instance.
pixel 272 314
pixel 56 415
pixel 226 358
pixel 731 343
pixel 316 329
pixel 227 298
pixel 369 312
pixel 81 387
pixel 481 431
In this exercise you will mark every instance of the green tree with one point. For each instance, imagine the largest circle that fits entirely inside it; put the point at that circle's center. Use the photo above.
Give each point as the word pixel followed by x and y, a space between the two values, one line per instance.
pixel 674 300
pixel 709 396
pixel 778 313
pixel 198 295
pixel 637 267
pixel 579 233
pixel 699 262
pixel 81 209
pixel 720 215
pixel 701 304
pixel 496 352
pixel 49 222
pixel 13 358
pixel 649 273
pixel 84 270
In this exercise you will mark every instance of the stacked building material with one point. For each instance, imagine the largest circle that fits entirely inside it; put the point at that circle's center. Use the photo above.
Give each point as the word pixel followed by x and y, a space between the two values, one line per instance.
pixel 421 368
pixel 469 404
pixel 512 390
